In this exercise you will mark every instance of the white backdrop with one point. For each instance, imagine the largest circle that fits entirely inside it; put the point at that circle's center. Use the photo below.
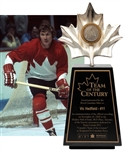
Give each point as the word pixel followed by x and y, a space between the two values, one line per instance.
pixel 113 11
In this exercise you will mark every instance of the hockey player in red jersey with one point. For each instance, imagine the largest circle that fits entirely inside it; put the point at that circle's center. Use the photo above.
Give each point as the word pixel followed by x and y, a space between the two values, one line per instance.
pixel 47 66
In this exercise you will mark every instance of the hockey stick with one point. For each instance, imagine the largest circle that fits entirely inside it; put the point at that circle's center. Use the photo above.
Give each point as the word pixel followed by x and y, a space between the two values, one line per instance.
pixel 38 86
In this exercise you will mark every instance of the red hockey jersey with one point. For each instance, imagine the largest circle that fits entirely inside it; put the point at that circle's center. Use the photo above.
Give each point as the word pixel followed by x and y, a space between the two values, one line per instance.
pixel 47 64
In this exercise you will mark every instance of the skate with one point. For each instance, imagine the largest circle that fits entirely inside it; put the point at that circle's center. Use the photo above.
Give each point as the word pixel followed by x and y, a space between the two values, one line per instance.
pixel 52 132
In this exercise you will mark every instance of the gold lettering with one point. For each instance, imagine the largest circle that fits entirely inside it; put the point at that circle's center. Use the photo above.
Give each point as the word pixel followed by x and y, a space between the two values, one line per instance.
pixel 94 94
pixel 91 108
pixel 81 108
pixel 95 85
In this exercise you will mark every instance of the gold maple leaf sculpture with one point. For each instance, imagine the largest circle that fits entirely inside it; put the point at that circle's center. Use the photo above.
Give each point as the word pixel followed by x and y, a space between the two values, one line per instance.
pixel 89 38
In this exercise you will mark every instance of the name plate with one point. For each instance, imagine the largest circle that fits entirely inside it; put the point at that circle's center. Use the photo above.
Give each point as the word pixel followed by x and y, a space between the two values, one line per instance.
pixel 92 115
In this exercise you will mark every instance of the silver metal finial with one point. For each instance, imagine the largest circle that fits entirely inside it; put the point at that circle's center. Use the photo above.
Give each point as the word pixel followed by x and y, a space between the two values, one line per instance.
pixel 89 38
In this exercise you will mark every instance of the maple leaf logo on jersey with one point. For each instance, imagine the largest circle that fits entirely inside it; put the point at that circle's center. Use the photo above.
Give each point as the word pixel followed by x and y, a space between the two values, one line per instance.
pixel 44 71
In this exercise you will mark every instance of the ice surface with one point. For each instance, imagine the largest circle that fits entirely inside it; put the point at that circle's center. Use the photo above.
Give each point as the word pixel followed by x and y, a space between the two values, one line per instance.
pixel 59 124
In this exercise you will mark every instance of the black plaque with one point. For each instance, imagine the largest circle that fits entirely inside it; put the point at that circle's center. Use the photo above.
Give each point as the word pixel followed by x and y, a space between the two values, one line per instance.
pixel 92 116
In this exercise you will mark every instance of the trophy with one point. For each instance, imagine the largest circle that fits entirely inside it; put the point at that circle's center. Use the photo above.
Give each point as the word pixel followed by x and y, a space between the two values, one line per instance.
pixel 92 116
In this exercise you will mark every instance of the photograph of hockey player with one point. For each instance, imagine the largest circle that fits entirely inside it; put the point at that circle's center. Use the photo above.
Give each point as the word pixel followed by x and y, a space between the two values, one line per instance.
pixel 47 66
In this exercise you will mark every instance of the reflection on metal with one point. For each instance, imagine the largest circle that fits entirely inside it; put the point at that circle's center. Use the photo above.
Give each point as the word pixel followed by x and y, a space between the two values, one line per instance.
pixel 91 33
pixel 89 38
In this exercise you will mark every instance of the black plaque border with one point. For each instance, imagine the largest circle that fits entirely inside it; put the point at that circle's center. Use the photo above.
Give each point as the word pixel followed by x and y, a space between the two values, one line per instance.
pixel 93 143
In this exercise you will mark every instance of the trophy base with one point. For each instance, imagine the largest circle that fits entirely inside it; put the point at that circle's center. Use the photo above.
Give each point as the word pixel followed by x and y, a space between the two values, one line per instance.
pixel 92 117
pixel 91 147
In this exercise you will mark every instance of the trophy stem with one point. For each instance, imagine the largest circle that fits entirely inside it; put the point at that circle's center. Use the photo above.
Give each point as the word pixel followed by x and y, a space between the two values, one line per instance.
pixel 91 52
